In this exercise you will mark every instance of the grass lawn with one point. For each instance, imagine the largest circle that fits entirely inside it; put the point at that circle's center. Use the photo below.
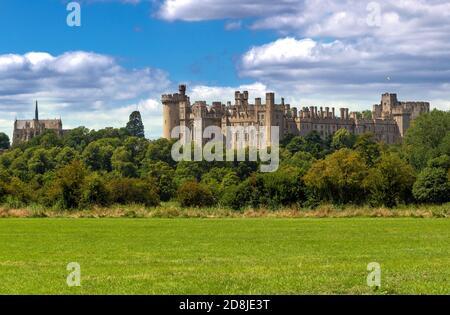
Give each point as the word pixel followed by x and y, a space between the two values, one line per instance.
pixel 224 256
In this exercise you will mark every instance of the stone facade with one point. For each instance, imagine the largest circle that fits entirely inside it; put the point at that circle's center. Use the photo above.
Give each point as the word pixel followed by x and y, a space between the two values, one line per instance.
pixel 24 130
pixel 389 121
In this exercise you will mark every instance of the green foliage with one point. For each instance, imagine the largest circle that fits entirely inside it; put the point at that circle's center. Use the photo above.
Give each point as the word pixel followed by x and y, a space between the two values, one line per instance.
pixel 134 190
pixel 135 126
pixel 4 141
pixel 427 138
pixel 311 143
pixel 163 175
pixel 122 162
pixel 343 139
pixel 284 187
pixel 432 185
pixel 368 148
pixel 95 191
pixel 193 194
pixel 390 181
pixel 18 192
pixel 40 162
pixel 160 150
pixel 442 161
pixel 338 178
pixel 97 155
pixel 66 190
pixel 84 168
pixel 65 156
pixel 297 144
pixel 243 195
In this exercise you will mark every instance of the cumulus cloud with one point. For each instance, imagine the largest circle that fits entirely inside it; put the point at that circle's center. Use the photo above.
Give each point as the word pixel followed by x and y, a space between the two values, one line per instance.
pixel 347 50
pixel 76 84
pixel 225 93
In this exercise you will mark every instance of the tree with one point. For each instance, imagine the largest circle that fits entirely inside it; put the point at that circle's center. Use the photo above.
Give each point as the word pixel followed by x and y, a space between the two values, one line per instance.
pixel 427 138
pixel 193 194
pixel 163 175
pixel 296 144
pixel 137 148
pixel 134 190
pixel 66 190
pixel 135 126
pixel 282 188
pixel 342 139
pixel 4 141
pixel 94 191
pixel 368 148
pixel 77 138
pixel 442 161
pixel 432 185
pixel 390 181
pixel 65 156
pixel 97 155
pixel 338 178
pixel 122 162
pixel 300 160
pixel 243 195
pixel 40 162
pixel 160 150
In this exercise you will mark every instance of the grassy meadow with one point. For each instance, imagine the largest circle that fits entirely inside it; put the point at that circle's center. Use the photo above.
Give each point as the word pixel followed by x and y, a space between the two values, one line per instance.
pixel 224 256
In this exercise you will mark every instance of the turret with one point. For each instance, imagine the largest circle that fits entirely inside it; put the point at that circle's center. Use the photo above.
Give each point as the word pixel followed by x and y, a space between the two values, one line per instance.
pixel 171 109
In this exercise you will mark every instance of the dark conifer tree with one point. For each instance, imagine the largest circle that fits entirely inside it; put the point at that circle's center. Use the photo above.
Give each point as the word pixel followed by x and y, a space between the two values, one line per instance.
pixel 135 126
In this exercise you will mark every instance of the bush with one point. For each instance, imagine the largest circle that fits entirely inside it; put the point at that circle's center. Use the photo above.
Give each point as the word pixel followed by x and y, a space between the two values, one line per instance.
pixel 243 195
pixel 193 194
pixel 390 181
pixel 282 188
pixel 432 186
pixel 66 190
pixel 95 191
pixel 163 176
pixel 134 190
pixel 338 178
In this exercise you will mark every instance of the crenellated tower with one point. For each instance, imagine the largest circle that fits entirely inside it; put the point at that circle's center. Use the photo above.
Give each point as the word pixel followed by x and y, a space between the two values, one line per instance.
pixel 171 109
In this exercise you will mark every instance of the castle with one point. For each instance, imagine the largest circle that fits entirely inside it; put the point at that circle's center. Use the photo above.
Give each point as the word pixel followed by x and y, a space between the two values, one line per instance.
pixel 24 130
pixel 389 122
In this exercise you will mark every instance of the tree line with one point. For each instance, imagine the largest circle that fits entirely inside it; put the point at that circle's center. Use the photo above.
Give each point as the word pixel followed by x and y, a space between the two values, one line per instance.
pixel 85 168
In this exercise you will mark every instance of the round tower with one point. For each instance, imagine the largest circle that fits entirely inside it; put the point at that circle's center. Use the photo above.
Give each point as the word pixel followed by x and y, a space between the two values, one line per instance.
pixel 170 115
pixel 171 110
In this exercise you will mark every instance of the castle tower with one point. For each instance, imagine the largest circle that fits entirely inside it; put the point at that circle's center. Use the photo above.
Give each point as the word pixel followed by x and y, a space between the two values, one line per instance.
pixel 388 102
pixel 270 107
pixel 171 110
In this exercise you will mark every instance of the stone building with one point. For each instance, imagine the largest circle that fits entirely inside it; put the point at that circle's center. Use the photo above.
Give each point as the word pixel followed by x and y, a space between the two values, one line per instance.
pixel 388 123
pixel 24 130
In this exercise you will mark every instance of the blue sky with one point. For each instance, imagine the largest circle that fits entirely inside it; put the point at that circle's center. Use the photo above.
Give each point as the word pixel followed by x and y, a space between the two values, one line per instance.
pixel 127 53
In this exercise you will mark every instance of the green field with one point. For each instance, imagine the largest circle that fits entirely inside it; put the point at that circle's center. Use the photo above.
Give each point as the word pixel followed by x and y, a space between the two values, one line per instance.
pixel 224 256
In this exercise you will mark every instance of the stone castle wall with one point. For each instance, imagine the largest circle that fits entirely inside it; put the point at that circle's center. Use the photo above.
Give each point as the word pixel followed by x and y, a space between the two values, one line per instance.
pixel 390 118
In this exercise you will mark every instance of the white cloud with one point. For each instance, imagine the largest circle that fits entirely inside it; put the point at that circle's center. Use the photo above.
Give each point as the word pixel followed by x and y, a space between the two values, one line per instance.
pixel 332 50
pixel 81 87
pixel 225 93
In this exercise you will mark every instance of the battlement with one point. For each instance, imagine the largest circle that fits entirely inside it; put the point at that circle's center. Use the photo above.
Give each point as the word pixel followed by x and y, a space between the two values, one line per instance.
pixel 390 118
pixel 172 98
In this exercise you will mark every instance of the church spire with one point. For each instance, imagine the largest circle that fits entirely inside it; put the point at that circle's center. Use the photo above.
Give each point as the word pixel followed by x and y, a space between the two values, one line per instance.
pixel 36 112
